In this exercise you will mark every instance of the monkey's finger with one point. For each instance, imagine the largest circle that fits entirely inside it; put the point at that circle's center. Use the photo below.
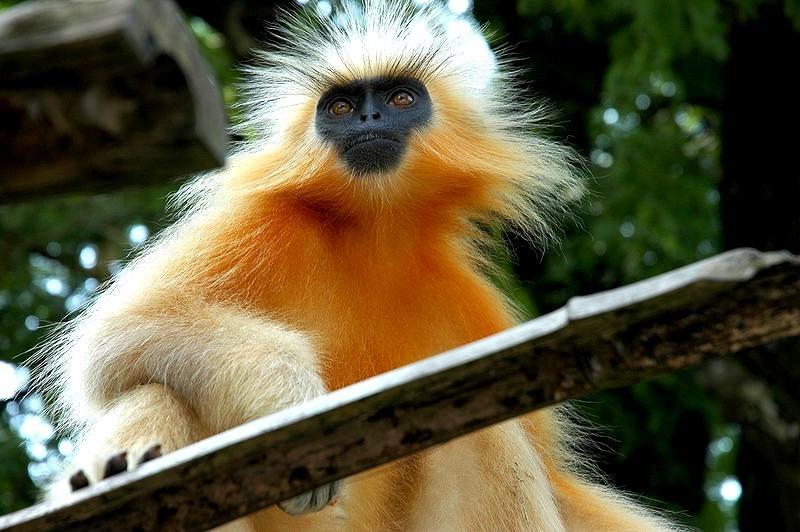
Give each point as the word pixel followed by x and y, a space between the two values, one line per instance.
pixel 153 452
pixel 116 464
pixel 78 480
pixel 312 500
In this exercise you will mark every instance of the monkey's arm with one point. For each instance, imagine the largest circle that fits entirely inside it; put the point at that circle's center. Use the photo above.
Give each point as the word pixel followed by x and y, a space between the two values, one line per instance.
pixel 173 369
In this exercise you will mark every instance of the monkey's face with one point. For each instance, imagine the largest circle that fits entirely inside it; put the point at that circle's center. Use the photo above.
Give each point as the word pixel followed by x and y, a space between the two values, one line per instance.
pixel 369 121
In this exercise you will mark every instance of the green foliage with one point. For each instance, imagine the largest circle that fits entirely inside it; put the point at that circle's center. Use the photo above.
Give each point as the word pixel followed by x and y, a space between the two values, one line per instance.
pixel 40 266
pixel 642 442
pixel 215 49
pixel 750 9
pixel 8 3
pixel 655 206
pixel 16 489
pixel 792 9
pixel 654 203
pixel 719 513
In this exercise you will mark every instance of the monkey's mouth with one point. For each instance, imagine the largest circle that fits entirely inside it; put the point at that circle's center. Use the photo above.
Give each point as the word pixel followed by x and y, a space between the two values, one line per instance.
pixel 372 152
pixel 369 137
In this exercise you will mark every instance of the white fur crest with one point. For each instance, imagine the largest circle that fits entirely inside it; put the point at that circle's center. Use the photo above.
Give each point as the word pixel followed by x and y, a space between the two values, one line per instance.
pixel 364 39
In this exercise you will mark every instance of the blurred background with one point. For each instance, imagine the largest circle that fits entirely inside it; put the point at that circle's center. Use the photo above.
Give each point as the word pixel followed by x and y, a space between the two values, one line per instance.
pixel 689 118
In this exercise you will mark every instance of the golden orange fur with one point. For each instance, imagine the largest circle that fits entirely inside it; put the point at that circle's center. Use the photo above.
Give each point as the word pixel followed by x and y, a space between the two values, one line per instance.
pixel 287 276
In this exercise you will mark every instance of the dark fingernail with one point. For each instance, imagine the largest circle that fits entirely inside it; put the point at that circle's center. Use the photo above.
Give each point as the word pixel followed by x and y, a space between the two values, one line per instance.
pixel 153 452
pixel 78 480
pixel 116 464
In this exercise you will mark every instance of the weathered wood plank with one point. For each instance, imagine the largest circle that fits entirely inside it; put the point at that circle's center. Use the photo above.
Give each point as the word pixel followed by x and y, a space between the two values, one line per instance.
pixel 733 301
pixel 98 94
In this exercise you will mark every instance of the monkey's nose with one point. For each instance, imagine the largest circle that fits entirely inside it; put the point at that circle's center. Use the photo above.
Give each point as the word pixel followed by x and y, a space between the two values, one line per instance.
pixel 374 116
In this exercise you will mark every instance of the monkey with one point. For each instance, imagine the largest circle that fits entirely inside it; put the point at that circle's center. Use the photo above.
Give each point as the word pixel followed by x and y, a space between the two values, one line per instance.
pixel 350 233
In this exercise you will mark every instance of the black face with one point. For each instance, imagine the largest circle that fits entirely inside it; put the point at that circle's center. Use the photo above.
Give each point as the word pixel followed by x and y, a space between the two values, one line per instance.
pixel 369 121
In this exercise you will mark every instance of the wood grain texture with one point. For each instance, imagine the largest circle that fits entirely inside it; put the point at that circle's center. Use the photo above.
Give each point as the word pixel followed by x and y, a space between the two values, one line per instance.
pixel 716 307
pixel 99 94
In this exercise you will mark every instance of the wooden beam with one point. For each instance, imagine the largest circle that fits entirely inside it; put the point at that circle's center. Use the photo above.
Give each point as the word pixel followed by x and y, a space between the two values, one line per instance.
pixel 99 94
pixel 715 307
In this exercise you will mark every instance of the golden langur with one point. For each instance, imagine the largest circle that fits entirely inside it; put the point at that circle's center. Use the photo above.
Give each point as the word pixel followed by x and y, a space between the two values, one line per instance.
pixel 346 238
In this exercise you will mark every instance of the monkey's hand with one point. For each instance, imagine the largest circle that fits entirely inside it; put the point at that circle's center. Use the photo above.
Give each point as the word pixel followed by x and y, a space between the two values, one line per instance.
pixel 312 500
pixel 114 465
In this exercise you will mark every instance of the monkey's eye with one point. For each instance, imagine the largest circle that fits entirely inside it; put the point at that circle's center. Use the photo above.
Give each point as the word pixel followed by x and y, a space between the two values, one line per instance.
pixel 401 98
pixel 340 107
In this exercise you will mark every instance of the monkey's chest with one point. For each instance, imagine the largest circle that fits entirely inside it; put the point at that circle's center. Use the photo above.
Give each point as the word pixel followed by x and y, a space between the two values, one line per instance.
pixel 367 331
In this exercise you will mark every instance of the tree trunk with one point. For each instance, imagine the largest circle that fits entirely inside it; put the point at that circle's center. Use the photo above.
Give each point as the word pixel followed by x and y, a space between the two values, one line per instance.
pixel 760 194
